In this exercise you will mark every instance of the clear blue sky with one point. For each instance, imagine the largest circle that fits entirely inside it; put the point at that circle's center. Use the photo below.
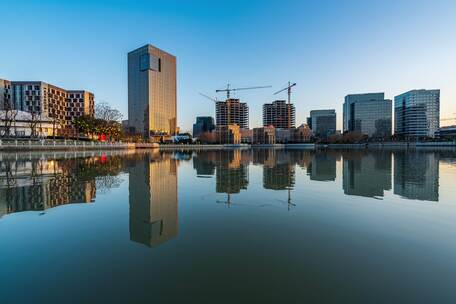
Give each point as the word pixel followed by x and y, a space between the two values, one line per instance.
pixel 330 48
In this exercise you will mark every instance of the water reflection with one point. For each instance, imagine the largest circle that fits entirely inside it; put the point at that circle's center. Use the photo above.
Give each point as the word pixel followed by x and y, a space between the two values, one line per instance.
pixel 153 199
pixel 323 166
pixel 416 175
pixel 137 216
pixel 39 182
pixel 366 173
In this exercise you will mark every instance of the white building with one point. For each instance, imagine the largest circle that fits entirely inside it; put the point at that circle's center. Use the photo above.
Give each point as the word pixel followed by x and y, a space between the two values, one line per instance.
pixel 22 123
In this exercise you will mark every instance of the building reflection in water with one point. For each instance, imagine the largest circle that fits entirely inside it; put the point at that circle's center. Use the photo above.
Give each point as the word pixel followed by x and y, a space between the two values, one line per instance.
pixel 37 184
pixel 366 173
pixel 323 166
pixel 153 198
pixel 230 168
pixel 278 170
pixel 42 182
pixel 416 175
pixel 231 172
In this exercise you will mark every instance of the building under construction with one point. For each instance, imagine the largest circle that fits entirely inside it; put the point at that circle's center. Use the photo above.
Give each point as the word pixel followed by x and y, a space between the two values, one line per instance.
pixel 279 114
pixel 232 111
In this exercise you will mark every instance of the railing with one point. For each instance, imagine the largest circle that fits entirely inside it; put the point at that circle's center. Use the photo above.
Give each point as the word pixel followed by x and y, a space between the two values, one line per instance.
pixel 59 144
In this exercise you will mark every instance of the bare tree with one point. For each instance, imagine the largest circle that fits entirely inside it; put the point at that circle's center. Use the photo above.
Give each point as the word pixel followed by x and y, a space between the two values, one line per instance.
pixel 33 122
pixel 57 124
pixel 9 119
pixel 105 112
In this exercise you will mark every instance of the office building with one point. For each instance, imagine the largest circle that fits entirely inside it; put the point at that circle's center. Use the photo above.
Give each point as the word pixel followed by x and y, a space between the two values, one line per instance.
pixel 152 95
pixel 264 135
pixel 230 134
pixel 21 124
pixel 79 103
pixel 46 100
pixel 246 136
pixel 232 111
pixel 283 136
pixel 301 134
pixel 279 114
pixel 417 114
pixel 322 122
pixel 369 114
pixel 5 93
pixel 40 98
pixel 448 132
pixel 203 124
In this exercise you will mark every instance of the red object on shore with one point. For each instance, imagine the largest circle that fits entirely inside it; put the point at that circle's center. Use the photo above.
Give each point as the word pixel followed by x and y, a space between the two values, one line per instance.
pixel 102 137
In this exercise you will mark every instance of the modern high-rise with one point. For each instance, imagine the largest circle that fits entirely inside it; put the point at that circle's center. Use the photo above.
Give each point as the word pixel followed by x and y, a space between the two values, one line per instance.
pixel 417 113
pixel 152 93
pixel 232 111
pixel 370 114
pixel 322 122
pixel 203 124
pixel 279 114
pixel 46 100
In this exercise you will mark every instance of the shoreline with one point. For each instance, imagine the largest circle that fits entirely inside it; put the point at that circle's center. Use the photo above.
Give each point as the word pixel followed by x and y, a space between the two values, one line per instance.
pixel 50 145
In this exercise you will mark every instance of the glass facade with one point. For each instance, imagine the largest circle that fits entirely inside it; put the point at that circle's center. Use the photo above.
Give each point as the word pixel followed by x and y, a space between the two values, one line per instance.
pixel 417 113
pixel 323 122
pixel 203 124
pixel 370 114
pixel 152 97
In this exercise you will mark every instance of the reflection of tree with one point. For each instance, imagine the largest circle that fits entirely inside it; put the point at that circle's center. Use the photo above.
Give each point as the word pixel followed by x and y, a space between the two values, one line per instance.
pixel 107 182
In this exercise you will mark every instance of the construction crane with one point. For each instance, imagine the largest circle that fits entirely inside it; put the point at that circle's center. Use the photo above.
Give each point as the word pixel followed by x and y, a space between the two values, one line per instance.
pixel 228 89
pixel 288 89
pixel 208 97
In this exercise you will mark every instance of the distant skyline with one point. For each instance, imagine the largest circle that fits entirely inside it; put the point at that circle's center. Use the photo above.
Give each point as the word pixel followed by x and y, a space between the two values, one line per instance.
pixel 329 48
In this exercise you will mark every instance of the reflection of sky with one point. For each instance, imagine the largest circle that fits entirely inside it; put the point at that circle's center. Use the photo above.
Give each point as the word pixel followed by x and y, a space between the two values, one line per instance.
pixel 327 47
pixel 312 244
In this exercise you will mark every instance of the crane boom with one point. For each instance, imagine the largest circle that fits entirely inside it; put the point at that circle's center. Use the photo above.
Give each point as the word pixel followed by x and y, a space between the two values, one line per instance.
pixel 228 90
pixel 208 97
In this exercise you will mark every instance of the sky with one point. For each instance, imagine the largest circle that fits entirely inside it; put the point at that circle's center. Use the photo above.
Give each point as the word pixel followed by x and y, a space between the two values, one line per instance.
pixel 329 48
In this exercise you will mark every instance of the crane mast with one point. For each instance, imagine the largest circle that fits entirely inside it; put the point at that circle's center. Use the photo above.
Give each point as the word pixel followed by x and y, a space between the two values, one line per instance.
pixel 288 89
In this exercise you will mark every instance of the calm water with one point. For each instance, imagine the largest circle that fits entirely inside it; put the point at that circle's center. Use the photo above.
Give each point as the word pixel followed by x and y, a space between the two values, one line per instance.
pixel 280 226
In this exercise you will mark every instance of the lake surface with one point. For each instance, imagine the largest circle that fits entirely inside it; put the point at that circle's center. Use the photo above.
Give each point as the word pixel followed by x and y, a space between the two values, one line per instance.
pixel 237 226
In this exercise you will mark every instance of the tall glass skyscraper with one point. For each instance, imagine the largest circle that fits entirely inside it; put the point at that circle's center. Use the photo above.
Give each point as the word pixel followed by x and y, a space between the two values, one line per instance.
pixel 370 114
pixel 417 113
pixel 152 99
